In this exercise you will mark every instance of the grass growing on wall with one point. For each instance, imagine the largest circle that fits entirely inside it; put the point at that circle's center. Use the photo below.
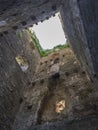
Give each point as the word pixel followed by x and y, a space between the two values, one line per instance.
pixel 46 52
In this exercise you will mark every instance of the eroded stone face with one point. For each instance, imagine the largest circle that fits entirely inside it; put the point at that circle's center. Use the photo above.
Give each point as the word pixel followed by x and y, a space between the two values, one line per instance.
pixel 12 79
pixel 19 15
pixel 25 13
pixel 68 97
pixel 79 20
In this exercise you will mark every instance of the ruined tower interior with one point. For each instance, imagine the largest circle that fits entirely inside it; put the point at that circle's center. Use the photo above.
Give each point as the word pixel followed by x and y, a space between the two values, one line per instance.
pixel 30 99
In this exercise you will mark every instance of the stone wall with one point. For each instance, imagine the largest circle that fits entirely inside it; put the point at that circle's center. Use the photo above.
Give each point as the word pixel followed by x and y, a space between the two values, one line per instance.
pixel 87 123
pixel 50 99
pixel 80 24
pixel 12 79
pixel 74 28
pixel 77 16
pixel 17 14
pixel 89 15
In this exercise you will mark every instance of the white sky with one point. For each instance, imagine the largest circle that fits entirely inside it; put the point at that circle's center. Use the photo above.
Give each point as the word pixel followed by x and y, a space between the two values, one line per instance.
pixel 50 33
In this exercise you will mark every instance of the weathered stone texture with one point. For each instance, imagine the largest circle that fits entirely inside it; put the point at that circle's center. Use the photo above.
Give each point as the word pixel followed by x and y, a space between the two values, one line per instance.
pixel 28 113
pixel 12 79
pixel 80 23
pixel 89 15
pixel 74 28
pixel 26 13
pixel 41 97
pixel 87 123
pixel 76 16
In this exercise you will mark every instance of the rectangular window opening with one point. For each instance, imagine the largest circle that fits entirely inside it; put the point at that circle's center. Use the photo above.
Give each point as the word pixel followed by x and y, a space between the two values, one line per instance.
pixel 49 35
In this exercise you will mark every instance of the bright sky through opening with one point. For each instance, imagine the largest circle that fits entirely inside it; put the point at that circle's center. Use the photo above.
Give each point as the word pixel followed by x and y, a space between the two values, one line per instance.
pixel 50 33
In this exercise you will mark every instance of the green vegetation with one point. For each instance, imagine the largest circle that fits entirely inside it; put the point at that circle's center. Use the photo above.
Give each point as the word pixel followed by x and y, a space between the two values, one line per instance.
pixel 46 52
pixel 19 34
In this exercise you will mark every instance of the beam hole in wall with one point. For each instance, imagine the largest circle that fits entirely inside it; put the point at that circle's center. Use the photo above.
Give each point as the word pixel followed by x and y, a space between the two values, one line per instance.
pixel 42 70
pixel 47 18
pixel 31 25
pixel 42 81
pixel 56 60
pixel 66 73
pixel 83 72
pixel 29 83
pixel 24 23
pixel 95 75
pixel 43 12
pixel 54 7
pixel 33 84
pixel 15 14
pixel 22 62
pixel 15 27
pixel 5 32
pixel 1 34
pixel 33 18
pixel 29 107
pixel 46 62
pixel 53 15
pixel 41 63
pixel 55 76
pixel 41 20
pixel 20 100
